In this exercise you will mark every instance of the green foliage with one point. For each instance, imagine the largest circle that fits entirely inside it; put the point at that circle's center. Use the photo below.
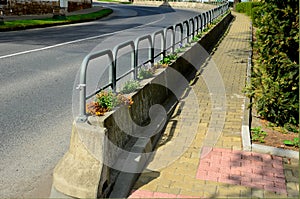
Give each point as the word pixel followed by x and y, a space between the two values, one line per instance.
pixel 294 142
pixel 180 50
pixel 10 25
pixel 196 38
pixel 145 73
pixel 89 16
pixel 247 7
pixel 187 45
pixel 169 58
pixel 205 29
pixel 275 74
pixel 291 128
pixel 107 99
pixel 130 86
pixel 257 134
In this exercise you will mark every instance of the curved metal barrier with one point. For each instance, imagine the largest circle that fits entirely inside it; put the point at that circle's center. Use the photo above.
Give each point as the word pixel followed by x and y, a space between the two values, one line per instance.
pixel 190 27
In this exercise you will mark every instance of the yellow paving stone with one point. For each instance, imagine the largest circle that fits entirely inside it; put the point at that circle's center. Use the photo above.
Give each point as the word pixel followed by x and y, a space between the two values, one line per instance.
pixel 195 155
pixel 218 184
pixel 193 161
pixel 183 185
pixel 239 148
pixel 268 194
pixel 185 171
pixel 198 185
pixel 190 179
pixel 191 193
pixel 203 125
pixel 228 193
pixel 209 188
pixel 170 190
pixel 206 194
pixel 172 176
pixel 152 186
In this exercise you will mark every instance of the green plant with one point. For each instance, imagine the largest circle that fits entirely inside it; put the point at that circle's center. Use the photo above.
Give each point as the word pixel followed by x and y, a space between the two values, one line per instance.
pixel 205 29
pixel 179 50
pixel 196 38
pixel 187 45
pixel 8 25
pixel 249 8
pixel 286 128
pixel 275 73
pixel 107 101
pixel 130 86
pixel 145 73
pixel 169 58
pixel 291 128
pixel 295 142
pixel 257 134
pixel 173 56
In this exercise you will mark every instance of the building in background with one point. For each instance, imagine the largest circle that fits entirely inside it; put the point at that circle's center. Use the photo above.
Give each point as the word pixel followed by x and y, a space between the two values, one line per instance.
pixel 28 7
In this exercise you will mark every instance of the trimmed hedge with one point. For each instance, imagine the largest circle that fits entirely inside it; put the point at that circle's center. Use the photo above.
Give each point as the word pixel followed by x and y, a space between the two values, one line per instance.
pixel 249 8
pixel 246 7
pixel 275 74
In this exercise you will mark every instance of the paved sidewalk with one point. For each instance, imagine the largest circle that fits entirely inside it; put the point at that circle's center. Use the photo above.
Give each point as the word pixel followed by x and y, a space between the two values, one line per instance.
pixel 211 163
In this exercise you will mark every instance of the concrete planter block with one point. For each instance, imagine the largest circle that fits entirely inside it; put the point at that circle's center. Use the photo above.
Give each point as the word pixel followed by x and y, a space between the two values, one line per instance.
pixel 78 173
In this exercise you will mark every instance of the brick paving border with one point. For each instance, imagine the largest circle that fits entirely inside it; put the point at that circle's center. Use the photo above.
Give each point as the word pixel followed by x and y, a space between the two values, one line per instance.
pixel 249 169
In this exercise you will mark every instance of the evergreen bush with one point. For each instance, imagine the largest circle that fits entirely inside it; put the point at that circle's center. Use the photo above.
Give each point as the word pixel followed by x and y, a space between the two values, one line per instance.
pixel 275 74
pixel 247 7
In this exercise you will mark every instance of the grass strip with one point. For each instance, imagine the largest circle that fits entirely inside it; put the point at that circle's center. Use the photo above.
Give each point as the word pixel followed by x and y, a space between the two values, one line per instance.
pixel 35 23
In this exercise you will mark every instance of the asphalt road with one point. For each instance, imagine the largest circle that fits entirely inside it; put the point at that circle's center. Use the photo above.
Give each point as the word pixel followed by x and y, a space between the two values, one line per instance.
pixel 37 73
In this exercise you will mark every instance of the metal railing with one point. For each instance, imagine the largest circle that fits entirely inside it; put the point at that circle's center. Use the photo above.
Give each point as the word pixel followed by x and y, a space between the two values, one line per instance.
pixel 188 29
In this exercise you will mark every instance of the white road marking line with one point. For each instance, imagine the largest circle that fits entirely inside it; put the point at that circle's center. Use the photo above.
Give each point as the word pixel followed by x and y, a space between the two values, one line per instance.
pixel 74 41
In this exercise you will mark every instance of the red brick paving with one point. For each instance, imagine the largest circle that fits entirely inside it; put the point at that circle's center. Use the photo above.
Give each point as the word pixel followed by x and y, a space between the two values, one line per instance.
pixel 248 169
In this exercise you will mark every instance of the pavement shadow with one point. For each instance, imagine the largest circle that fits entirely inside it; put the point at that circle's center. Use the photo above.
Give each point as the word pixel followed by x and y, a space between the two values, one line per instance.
pixel 261 173
pixel 265 176
pixel 167 6
pixel 145 178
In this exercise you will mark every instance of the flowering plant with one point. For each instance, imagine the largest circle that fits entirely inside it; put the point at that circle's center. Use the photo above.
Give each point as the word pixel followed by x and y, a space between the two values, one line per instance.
pixel 106 101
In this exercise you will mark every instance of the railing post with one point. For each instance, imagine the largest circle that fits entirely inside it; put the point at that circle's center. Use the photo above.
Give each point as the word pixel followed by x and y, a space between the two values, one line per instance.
pixel 113 69
pixel 206 18
pixel 181 33
pixel 196 18
pixel 173 39
pixel 134 62
pixel 82 90
pixel 193 30
pixel 187 25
